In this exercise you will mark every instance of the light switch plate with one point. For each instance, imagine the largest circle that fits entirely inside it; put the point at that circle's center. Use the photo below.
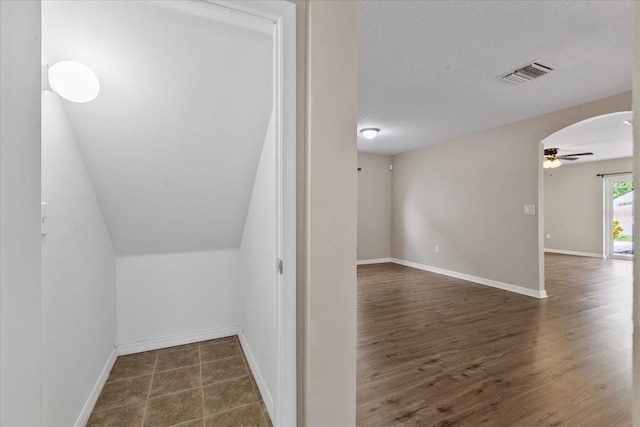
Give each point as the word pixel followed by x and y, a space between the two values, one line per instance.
pixel 529 209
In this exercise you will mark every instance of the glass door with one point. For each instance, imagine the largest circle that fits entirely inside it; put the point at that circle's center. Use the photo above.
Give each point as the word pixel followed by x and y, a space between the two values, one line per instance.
pixel 619 221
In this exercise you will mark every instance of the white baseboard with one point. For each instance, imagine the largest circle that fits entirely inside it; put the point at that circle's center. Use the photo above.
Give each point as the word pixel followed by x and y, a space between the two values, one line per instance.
pixel 480 280
pixel 176 339
pixel 83 418
pixel 575 253
pixel 373 261
pixel 257 374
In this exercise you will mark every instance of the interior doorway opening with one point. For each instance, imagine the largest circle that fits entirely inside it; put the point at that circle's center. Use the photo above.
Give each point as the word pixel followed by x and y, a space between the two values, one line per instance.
pixel 572 196
pixel 192 137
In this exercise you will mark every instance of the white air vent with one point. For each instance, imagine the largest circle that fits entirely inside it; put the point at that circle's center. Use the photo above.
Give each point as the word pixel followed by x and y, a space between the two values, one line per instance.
pixel 527 73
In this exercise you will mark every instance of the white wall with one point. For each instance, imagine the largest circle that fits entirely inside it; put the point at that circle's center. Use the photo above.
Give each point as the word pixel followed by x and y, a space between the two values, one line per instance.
pixel 467 196
pixel 20 297
pixel 374 206
pixel 78 274
pixel 163 295
pixel 163 132
pixel 573 205
pixel 258 273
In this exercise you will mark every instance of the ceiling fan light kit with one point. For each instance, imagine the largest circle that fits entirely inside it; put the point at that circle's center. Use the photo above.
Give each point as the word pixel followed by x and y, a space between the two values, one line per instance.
pixel 552 160
pixel 551 164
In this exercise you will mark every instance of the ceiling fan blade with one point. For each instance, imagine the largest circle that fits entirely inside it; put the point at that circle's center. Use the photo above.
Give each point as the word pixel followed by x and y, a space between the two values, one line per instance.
pixel 576 154
pixel 567 158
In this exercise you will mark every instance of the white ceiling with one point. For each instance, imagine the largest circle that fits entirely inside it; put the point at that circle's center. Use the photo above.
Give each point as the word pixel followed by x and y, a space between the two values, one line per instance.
pixel 173 140
pixel 606 136
pixel 427 69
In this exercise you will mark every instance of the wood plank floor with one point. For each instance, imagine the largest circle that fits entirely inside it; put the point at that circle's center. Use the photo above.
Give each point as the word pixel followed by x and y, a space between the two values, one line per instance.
pixel 438 351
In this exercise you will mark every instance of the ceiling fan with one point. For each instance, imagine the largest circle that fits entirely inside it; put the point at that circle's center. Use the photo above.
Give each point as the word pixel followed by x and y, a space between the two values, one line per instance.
pixel 552 160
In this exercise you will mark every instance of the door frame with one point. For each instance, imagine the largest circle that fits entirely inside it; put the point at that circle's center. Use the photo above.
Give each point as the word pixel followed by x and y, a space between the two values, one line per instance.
pixel 608 214
pixel 281 15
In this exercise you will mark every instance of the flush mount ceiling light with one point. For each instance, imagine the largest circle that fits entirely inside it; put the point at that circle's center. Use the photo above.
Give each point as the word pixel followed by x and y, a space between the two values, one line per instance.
pixel 628 122
pixel 369 133
pixel 73 81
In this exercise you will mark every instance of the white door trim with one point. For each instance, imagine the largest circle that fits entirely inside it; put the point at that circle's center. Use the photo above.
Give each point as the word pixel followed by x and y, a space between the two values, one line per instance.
pixel 283 15
pixel 608 215
pixel 279 18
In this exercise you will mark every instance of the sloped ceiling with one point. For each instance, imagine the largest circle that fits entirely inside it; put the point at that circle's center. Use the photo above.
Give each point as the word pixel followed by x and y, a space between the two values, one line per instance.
pixel 427 69
pixel 173 140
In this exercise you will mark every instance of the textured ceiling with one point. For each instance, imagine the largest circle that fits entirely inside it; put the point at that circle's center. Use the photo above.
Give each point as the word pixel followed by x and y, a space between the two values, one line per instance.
pixel 173 140
pixel 427 69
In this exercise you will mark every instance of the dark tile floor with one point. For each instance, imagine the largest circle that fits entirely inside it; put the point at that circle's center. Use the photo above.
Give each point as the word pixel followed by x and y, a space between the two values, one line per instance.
pixel 204 384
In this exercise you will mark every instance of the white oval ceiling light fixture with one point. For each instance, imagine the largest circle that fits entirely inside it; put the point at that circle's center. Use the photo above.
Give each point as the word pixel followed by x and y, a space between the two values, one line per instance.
pixel 369 133
pixel 74 81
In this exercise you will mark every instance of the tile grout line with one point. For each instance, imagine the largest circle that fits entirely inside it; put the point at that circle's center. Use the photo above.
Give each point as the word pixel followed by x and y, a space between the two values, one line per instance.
pixel 200 363
pixel 183 390
pixel 237 407
pixel 175 369
pixel 225 380
pixel 220 359
pixel 173 392
pixel 128 378
pixel 146 403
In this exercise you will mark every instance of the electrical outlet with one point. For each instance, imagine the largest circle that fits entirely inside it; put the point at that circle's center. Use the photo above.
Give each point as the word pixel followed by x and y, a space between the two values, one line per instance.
pixel 437 249
pixel 548 236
